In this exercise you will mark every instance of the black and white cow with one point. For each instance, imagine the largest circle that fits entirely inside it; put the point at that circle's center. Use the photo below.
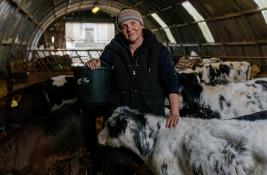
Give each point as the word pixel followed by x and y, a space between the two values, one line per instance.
pixel 60 90
pixel 231 71
pixel 37 100
pixel 194 146
pixel 227 100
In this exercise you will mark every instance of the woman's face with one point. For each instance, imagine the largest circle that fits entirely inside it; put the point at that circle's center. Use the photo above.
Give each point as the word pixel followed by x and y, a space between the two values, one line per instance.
pixel 132 30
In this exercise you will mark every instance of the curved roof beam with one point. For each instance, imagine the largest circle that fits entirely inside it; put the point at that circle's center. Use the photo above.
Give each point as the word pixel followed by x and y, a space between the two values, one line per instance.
pixel 165 27
pixel 262 4
pixel 201 22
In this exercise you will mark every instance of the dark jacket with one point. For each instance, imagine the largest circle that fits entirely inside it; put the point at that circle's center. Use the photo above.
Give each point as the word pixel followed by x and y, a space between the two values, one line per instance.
pixel 140 81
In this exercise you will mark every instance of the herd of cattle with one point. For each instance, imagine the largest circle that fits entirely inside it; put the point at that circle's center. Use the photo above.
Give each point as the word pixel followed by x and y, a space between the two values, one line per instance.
pixel 40 135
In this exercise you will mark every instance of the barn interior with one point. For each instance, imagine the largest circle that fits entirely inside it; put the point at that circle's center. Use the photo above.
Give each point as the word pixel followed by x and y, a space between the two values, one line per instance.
pixel 44 38
pixel 32 30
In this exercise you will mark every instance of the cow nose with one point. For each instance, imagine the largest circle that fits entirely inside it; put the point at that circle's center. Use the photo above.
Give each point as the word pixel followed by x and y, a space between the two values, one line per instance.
pixel 101 139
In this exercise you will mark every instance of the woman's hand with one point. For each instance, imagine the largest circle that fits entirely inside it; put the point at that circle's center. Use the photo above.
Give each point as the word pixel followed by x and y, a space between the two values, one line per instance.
pixel 93 63
pixel 172 120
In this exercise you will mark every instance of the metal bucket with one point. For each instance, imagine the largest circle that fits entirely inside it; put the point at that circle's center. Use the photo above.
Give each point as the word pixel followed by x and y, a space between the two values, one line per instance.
pixel 92 85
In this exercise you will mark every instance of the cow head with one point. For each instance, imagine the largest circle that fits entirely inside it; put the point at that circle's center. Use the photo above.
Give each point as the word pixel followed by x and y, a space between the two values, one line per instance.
pixel 122 128
pixel 13 111
pixel 23 105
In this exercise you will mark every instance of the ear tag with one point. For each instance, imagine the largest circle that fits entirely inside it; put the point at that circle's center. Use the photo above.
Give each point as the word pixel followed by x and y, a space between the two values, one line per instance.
pixel 14 103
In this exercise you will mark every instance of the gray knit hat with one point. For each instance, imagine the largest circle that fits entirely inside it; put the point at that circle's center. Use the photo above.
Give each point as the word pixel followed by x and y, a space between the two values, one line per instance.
pixel 129 14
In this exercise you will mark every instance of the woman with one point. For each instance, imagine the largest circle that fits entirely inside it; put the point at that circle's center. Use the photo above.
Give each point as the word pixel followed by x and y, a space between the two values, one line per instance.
pixel 142 70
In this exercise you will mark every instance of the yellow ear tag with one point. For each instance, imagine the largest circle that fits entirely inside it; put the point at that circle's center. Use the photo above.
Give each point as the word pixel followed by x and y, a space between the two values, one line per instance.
pixel 14 103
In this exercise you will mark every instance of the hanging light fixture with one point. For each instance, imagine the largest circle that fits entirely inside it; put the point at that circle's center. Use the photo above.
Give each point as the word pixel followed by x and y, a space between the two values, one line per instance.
pixel 95 9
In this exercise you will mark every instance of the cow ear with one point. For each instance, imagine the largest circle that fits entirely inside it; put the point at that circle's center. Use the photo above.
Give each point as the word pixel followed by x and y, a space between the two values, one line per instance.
pixel 15 100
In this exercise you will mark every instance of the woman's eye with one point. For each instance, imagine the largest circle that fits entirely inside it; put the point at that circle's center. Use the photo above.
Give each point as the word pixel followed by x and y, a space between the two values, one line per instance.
pixel 133 23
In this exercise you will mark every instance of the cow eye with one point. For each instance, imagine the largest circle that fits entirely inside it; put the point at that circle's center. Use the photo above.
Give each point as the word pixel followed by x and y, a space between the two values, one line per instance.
pixel 112 123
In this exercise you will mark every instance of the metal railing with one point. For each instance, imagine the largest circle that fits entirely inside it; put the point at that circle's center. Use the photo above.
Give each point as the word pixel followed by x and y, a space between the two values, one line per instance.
pixel 59 60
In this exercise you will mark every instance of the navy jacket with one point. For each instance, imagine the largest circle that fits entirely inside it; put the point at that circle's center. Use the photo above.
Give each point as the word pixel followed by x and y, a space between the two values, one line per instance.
pixel 143 80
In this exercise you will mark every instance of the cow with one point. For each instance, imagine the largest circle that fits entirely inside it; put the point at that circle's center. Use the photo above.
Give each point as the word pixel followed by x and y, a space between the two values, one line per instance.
pixel 225 100
pixel 36 100
pixel 214 69
pixel 38 147
pixel 230 71
pixel 60 90
pixel 194 146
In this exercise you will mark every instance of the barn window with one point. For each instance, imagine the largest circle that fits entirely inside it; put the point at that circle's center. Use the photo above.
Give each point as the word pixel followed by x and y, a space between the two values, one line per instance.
pixel 88 35
pixel 200 20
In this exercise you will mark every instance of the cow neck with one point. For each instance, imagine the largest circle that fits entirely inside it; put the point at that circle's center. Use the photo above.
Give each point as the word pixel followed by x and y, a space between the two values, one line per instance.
pixel 149 139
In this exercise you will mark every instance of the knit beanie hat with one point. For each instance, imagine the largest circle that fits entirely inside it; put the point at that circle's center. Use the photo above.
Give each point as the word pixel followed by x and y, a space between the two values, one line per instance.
pixel 129 14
